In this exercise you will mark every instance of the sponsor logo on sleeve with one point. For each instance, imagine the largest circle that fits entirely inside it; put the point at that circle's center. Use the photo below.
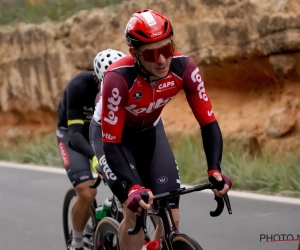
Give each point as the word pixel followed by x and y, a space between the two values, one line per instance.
pixel 112 105
pixel 196 77
pixel 107 171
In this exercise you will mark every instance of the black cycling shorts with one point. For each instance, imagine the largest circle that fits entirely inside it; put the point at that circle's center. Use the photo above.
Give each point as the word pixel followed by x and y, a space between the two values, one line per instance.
pixel 76 164
pixel 151 154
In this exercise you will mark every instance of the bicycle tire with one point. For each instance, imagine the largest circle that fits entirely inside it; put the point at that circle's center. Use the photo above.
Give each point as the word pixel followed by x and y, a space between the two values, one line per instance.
pixel 106 235
pixel 70 194
pixel 182 241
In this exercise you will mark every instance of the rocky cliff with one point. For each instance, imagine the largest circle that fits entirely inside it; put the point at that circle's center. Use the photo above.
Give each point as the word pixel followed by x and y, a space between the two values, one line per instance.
pixel 248 52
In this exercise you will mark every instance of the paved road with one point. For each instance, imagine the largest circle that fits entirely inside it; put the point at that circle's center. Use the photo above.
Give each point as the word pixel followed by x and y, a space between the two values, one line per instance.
pixel 30 218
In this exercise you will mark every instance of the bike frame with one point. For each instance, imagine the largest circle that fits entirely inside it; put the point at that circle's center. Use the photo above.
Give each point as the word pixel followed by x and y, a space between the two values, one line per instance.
pixel 116 210
pixel 164 212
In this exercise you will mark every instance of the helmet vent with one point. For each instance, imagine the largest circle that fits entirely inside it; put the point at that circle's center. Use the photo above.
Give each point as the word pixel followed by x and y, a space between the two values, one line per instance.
pixel 141 33
pixel 166 26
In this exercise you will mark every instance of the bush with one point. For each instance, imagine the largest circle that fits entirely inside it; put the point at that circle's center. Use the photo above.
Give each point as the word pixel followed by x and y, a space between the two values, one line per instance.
pixel 54 10
pixel 264 173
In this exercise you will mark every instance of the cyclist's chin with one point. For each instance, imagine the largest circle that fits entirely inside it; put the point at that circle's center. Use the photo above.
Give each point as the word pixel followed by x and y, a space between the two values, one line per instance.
pixel 161 72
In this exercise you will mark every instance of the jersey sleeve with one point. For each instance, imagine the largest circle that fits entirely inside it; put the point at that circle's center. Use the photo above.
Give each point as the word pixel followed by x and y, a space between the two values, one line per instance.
pixel 200 104
pixel 114 100
pixel 75 98
pixel 75 102
pixel 196 95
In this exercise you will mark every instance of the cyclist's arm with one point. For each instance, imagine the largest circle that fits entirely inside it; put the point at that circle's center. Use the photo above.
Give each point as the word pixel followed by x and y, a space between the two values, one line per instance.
pixel 114 100
pixel 203 112
pixel 77 139
pixel 76 119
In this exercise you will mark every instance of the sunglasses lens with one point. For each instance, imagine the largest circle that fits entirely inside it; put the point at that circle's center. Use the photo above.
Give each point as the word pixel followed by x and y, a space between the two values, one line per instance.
pixel 152 55
pixel 167 50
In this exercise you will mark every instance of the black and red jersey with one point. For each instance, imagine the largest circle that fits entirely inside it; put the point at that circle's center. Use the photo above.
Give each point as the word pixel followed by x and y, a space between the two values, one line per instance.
pixel 131 100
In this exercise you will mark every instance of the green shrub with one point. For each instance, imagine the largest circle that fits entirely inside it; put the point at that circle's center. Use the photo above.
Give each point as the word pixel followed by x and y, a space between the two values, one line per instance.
pixel 54 10
pixel 261 174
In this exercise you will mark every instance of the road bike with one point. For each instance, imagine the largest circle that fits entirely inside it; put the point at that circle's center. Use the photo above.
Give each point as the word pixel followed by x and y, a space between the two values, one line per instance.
pixel 170 238
pixel 96 227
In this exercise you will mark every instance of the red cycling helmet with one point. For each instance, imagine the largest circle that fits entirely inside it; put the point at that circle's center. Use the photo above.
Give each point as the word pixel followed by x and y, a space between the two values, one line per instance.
pixel 147 26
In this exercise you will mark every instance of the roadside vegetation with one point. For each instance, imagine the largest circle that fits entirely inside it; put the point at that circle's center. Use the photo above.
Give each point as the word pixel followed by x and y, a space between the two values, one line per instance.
pixel 265 174
pixel 38 11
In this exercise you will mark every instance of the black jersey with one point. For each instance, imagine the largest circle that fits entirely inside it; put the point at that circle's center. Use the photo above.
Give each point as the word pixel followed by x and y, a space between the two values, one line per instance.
pixel 77 107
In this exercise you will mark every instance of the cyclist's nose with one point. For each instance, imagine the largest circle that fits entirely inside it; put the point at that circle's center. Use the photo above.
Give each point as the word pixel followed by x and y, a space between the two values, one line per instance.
pixel 161 59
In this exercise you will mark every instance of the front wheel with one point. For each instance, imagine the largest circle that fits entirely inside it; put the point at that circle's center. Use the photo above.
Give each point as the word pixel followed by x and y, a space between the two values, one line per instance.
pixel 182 241
pixel 106 235
pixel 88 233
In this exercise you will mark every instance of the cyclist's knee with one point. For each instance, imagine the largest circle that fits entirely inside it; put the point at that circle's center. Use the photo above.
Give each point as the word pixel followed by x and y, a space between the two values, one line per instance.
pixel 86 193
pixel 129 216
pixel 175 214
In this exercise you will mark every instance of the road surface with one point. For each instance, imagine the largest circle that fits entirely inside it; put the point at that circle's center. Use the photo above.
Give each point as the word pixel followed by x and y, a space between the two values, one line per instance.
pixel 31 211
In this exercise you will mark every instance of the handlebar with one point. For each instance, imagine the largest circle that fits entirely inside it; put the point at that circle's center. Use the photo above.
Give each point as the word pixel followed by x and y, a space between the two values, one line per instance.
pixel 213 184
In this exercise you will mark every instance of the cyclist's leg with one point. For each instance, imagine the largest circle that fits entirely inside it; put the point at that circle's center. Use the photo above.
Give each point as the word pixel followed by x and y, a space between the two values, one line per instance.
pixel 126 241
pixel 78 169
pixel 114 184
pixel 154 159
pixel 164 170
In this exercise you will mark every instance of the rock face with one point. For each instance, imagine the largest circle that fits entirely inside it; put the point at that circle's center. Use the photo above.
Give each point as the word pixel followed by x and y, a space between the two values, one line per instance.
pixel 240 46
pixel 281 121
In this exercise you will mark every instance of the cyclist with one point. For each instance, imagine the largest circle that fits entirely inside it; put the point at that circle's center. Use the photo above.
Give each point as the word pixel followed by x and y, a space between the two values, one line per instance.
pixel 75 111
pixel 135 89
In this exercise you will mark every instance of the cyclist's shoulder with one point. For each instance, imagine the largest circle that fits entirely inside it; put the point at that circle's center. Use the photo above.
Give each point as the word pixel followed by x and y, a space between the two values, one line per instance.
pixel 179 63
pixel 122 65
pixel 80 81
pixel 82 77
pixel 124 69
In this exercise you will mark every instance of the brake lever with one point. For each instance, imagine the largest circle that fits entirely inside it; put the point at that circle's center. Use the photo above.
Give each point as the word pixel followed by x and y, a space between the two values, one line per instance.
pixel 227 202
pixel 145 198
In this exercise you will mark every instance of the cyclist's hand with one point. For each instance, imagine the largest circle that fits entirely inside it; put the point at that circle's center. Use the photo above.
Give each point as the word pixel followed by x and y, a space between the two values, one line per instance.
pixel 135 200
pixel 219 177
pixel 95 165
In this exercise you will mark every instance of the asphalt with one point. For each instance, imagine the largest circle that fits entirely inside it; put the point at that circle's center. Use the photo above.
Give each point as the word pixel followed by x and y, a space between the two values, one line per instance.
pixel 31 216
